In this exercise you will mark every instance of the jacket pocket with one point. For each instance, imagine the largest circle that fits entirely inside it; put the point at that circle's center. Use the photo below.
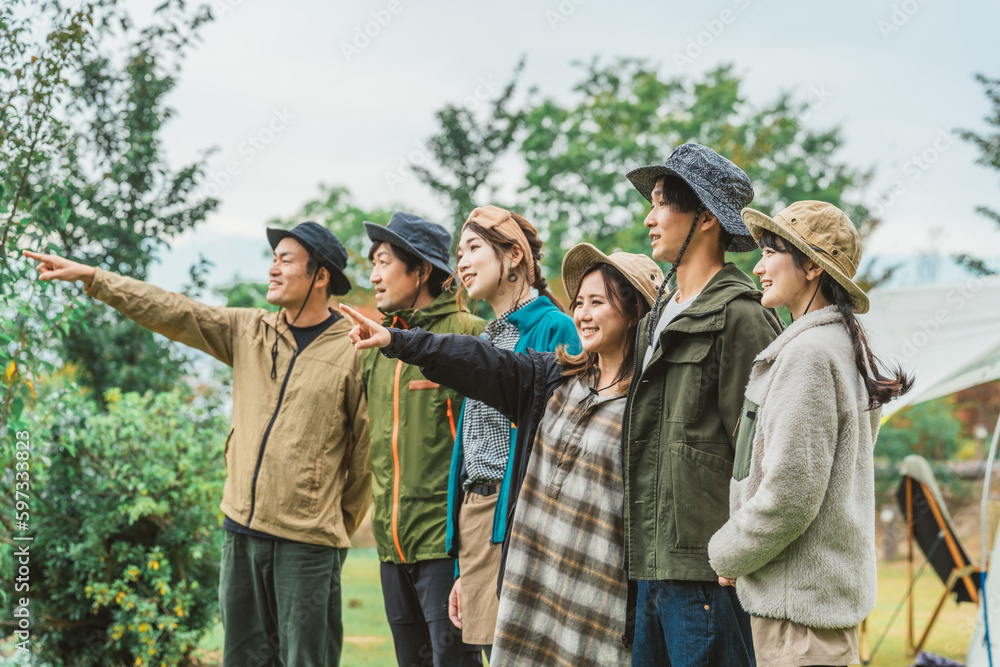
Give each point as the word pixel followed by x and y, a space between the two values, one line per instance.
pixel 700 490
pixel 745 430
pixel 684 399
pixel 414 385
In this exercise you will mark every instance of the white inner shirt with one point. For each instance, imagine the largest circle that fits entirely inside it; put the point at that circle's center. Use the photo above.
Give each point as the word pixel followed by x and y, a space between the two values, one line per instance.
pixel 672 309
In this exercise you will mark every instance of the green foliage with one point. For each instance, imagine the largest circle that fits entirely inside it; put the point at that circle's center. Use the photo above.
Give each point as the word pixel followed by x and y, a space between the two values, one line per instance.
pixel 625 114
pixel 246 295
pixel 34 82
pixel 124 515
pixel 989 157
pixel 126 203
pixel 97 188
pixel 335 210
pixel 930 429
pixel 467 150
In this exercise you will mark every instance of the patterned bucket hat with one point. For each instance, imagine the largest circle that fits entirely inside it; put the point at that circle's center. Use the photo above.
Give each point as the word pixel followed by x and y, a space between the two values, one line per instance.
pixel 721 186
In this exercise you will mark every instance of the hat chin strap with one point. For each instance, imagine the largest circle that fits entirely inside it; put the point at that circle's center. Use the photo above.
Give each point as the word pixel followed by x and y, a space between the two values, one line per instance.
pixel 819 283
pixel 413 304
pixel 274 348
pixel 663 286
pixel 420 282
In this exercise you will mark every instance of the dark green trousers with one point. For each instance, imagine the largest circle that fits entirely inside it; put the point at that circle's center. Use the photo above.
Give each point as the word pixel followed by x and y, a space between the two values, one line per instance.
pixel 280 603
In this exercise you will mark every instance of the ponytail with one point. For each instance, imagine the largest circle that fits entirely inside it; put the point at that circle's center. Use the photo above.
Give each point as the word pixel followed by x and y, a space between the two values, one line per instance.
pixel 881 388
pixel 535 243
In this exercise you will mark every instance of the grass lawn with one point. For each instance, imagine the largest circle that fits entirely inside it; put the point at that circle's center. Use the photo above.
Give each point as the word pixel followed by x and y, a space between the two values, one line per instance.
pixel 367 640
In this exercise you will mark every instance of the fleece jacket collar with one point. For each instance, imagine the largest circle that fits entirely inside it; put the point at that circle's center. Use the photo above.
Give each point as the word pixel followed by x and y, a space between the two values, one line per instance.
pixel 817 318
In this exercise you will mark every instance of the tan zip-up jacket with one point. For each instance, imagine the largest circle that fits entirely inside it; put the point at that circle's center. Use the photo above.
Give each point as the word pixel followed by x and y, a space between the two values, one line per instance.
pixel 297 456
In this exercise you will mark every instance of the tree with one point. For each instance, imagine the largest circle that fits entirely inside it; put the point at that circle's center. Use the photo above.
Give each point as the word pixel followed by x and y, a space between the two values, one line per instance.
pixel 34 80
pixel 92 179
pixel 989 156
pixel 930 429
pixel 625 114
pixel 467 149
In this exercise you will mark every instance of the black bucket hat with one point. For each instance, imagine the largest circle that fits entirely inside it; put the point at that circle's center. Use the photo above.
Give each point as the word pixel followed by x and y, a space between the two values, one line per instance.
pixel 721 186
pixel 415 235
pixel 323 246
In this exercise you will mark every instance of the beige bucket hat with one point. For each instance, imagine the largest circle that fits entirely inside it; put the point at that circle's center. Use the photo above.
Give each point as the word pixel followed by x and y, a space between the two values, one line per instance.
pixel 824 233
pixel 639 270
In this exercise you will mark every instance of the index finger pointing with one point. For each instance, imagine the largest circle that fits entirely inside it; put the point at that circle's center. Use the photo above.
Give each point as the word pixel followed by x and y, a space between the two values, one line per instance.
pixel 354 315
pixel 36 255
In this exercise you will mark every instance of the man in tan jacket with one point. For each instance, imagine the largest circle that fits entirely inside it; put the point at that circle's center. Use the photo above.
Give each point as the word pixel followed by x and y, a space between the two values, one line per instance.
pixel 297 457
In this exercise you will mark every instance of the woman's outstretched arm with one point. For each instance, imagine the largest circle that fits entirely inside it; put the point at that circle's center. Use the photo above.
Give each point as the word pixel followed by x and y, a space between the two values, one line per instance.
pixel 471 366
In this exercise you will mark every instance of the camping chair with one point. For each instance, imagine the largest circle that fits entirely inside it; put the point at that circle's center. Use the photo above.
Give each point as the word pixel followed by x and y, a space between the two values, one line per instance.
pixel 929 524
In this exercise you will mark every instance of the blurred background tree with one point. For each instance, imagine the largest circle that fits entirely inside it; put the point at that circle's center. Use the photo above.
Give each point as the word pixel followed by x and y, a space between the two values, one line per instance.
pixel 626 114
pixel 468 148
pixel 989 157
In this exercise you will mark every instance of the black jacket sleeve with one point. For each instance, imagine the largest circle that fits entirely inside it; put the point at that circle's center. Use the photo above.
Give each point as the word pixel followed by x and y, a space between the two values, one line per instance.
pixel 475 368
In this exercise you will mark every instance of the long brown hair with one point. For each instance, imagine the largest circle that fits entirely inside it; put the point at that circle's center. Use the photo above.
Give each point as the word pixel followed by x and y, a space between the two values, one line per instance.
pixel 627 302
pixel 881 388
pixel 500 244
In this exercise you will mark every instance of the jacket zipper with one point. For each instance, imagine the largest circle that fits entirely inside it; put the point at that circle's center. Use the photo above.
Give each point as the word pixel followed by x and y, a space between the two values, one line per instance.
pixel 451 420
pixel 395 461
pixel 625 433
pixel 395 450
pixel 267 432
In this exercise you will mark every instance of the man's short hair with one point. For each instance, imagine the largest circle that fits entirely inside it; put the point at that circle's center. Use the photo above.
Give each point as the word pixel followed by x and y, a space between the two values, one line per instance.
pixel 413 263
pixel 678 195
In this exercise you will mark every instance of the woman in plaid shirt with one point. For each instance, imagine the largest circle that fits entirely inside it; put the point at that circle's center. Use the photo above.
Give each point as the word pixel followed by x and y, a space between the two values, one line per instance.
pixel 564 593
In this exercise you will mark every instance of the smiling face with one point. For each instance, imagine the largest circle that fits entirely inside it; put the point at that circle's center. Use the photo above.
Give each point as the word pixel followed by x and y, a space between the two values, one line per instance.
pixel 479 268
pixel 602 329
pixel 395 288
pixel 289 282
pixel 785 283
pixel 668 226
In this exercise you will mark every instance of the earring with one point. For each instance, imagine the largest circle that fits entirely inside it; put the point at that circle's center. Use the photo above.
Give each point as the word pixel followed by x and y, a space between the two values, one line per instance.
pixel 511 277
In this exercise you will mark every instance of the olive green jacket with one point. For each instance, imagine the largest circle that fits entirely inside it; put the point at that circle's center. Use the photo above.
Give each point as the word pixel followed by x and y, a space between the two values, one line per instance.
pixel 413 423
pixel 680 419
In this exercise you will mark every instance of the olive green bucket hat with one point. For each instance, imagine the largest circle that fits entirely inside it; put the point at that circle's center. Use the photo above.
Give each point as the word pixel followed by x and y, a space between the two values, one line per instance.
pixel 824 233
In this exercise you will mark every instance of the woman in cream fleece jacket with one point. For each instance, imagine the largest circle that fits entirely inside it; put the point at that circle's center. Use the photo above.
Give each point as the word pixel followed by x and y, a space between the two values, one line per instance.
pixel 800 538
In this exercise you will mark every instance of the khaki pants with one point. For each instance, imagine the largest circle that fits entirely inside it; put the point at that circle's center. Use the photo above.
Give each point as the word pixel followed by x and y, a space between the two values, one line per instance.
pixel 787 644
pixel 479 565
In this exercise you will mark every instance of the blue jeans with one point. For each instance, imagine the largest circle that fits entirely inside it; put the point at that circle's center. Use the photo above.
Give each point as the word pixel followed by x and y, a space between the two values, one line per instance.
pixel 689 624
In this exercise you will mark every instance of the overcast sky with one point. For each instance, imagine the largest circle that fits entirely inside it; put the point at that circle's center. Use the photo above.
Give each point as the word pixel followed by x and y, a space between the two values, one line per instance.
pixel 326 106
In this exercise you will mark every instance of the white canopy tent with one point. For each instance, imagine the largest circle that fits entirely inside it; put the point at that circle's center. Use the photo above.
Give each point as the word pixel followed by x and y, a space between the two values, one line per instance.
pixel 948 336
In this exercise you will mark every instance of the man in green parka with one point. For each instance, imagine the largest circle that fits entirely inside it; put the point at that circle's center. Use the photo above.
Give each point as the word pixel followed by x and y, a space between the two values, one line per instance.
pixel 694 353
pixel 412 434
